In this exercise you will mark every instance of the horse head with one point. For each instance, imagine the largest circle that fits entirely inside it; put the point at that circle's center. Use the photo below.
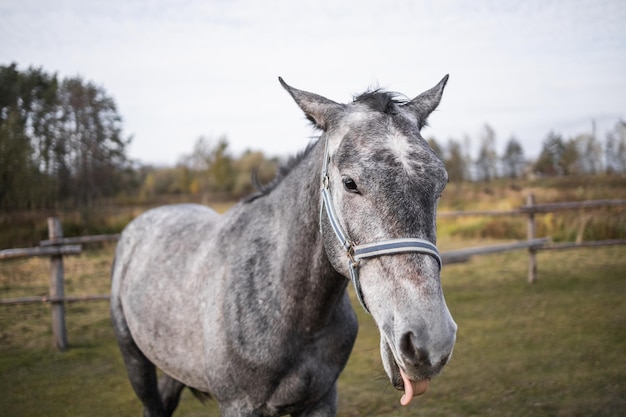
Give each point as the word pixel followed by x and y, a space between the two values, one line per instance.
pixel 381 184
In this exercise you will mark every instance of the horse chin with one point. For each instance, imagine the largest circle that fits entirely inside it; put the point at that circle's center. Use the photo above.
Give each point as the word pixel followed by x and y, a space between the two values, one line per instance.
pixel 412 386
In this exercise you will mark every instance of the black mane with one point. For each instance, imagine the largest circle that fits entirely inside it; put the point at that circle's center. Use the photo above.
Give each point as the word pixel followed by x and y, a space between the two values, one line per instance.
pixel 381 101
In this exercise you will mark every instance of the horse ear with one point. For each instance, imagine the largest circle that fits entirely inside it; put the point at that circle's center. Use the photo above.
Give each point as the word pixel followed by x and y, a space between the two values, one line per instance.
pixel 319 110
pixel 424 104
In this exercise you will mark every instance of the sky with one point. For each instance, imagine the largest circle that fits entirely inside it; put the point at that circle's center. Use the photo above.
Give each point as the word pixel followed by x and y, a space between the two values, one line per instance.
pixel 178 70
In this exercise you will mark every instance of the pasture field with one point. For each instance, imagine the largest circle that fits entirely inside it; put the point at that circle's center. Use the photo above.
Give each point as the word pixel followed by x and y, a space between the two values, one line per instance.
pixel 555 348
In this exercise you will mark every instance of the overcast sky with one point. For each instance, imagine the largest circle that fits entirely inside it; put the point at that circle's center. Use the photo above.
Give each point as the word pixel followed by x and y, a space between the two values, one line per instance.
pixel 181 69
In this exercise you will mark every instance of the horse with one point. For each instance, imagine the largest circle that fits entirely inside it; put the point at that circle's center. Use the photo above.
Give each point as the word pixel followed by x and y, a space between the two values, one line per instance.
pixel 251 308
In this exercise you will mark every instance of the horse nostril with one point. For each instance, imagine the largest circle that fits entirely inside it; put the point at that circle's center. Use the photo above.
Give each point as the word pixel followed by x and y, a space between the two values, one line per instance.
pixel 420 360
pixel 412 354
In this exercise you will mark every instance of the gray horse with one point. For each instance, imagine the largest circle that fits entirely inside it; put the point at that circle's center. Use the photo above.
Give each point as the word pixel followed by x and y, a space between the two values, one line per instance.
pixel 251 307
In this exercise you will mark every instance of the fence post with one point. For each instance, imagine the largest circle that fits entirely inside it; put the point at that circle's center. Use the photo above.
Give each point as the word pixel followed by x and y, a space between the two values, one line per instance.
pixel 59 331
pixel 532 232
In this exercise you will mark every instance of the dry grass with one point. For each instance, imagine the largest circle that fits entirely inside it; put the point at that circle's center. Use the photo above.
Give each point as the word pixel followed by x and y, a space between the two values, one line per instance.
pixel 505 195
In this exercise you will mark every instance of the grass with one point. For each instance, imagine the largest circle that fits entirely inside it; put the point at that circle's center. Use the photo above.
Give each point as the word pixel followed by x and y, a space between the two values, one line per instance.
pixel 551 349
pixel 555 348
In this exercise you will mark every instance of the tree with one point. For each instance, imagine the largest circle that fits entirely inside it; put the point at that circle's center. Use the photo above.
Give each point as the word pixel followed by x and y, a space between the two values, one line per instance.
pixel 90 143
pixel 24 97
pixel 200 157
pixel 569 162
pixel 615 148
pixel 165 180
pixel 252 163
pixel 620 152
pixel 513 159
pixel 221 171
pixel 486 164
pixel 589 152
pixel 59 142
pixel 550 159
pixel 455 162
pixel 212 164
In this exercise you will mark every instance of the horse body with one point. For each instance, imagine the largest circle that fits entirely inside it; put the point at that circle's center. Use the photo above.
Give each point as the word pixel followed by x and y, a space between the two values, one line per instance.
pixel 205 298
pixel 251 306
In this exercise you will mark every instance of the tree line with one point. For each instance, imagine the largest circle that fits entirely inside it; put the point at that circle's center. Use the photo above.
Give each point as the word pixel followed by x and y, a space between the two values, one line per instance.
pixel 210 169
pixel 584 154
pixel 62 146
pixel 60 141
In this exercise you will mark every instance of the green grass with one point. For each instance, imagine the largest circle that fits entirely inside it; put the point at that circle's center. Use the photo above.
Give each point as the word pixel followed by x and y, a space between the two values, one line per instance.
pixel 555 348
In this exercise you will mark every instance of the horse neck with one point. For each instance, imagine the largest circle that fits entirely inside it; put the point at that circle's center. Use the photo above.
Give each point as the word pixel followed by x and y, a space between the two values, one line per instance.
pixel 297 200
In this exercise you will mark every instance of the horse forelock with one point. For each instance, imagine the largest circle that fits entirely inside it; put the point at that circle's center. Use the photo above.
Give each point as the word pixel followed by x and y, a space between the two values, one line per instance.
pixel 378 100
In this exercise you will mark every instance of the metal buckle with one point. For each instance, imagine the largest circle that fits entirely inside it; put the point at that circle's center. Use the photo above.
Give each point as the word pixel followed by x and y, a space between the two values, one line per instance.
pixel 350 253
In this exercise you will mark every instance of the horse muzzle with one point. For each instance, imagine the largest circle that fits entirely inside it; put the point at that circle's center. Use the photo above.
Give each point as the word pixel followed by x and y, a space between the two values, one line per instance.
pixel 414 359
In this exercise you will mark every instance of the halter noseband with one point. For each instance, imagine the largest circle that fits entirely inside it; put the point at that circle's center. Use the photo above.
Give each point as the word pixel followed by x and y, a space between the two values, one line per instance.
pixel 369 250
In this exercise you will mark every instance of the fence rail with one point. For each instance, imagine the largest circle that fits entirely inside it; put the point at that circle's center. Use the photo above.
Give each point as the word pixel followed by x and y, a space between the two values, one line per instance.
pixel 529 208
pixel 49 299
pixel 40 251
pixel 57 246
pixel 464 255
pixel 79 240
pixel 591 244
pixel 480 213
pixel 553 207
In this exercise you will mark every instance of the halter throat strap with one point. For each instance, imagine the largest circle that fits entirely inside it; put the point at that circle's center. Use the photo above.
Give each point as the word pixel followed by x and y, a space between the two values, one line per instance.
pixel 355 252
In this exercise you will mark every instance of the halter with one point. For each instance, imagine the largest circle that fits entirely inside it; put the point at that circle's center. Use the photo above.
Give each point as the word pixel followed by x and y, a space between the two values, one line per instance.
pixel 357 252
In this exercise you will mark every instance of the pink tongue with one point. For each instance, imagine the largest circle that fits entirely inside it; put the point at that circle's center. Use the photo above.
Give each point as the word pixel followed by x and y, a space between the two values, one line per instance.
pixel 412 388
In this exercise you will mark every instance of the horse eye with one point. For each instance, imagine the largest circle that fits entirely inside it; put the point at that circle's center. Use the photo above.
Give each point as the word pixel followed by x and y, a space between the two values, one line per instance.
pixel 350 185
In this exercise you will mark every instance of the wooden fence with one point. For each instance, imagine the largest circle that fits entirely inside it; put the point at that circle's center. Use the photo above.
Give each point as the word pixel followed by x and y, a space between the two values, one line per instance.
pixel 57 246
pixel 532 243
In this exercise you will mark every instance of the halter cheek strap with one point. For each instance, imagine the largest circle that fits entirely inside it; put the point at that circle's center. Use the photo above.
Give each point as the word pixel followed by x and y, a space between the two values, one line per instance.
pixel 356 253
